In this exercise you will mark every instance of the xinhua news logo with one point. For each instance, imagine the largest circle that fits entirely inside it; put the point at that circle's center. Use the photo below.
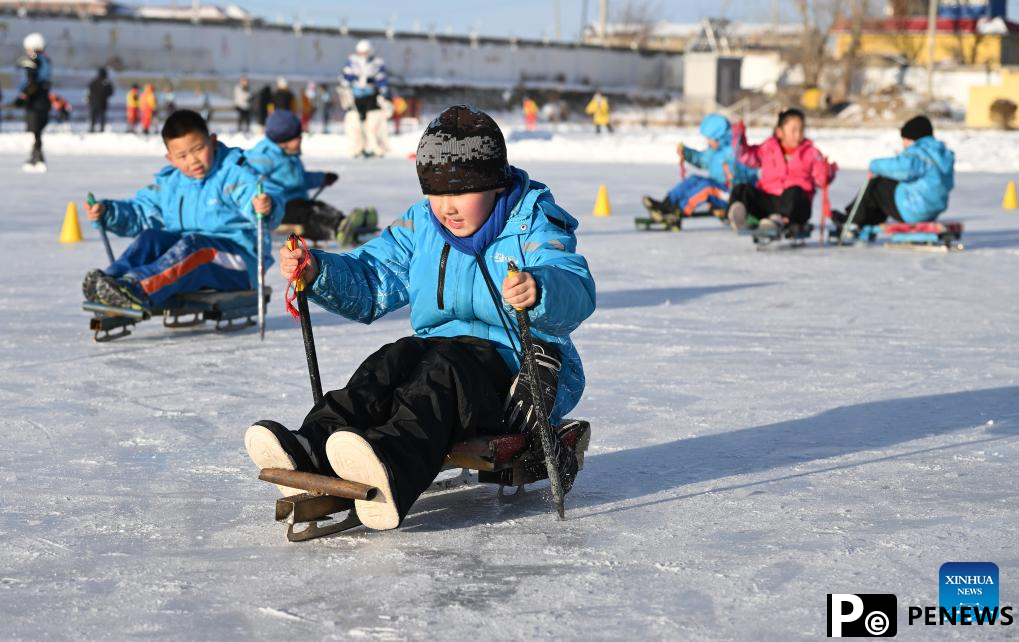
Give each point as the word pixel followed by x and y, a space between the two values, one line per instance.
pixel 968 584
pixel 967 596
pixel 862 615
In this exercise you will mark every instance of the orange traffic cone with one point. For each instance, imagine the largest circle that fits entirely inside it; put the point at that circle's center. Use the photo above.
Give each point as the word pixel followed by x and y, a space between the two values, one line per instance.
pixel 601 203
pixel 71 231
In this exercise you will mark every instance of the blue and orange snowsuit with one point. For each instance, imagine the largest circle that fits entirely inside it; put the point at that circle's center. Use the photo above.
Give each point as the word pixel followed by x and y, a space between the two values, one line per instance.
pixel 192 234
pixel 723 170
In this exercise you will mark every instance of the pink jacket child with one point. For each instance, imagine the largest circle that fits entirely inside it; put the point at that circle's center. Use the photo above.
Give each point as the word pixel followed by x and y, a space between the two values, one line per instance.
pixel 791 169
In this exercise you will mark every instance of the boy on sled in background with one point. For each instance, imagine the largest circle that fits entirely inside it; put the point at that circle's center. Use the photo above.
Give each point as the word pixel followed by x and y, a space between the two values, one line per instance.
pixel 719 160
pixel 194 226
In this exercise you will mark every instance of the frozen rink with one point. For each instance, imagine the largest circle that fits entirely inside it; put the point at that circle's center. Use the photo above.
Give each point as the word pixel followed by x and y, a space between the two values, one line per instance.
pixel 768 427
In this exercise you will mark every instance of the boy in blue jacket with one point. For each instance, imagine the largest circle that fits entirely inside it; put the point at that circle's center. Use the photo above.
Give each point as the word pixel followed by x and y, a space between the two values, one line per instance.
pixel 723 173
pixel 457 377
pixel 912 187
pixel 195 226
pixel 277 157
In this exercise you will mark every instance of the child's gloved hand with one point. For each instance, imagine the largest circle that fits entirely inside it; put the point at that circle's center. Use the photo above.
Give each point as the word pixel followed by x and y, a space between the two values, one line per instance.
pixel 520 290
pixel 331 177
pixel 262 204
pixel 95 212
pixel 290 259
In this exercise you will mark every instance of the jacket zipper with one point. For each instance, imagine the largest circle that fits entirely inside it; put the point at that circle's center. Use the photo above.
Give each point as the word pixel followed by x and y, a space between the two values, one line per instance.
pixel 442 274
pixel 180 213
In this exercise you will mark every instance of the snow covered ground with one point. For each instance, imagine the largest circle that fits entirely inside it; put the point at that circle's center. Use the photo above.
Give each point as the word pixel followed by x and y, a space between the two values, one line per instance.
pixel 769 427
pixel 977 150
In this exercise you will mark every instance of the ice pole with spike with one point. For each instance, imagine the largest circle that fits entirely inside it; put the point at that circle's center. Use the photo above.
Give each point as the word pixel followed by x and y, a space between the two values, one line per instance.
pixel 847 231
pixel 544 428
pixel 306 333
pixel 260 221
pixel 102 230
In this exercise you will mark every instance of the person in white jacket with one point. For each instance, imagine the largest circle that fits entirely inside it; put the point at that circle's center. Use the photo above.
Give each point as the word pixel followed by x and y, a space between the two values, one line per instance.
pixel 242 103
pixel 364 90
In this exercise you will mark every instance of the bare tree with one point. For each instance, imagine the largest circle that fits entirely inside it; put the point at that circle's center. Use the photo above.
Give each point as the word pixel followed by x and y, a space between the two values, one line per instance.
pixel 858 12
pixel 908 46
pixel 818 18
pixel 638 18
pixel 967 55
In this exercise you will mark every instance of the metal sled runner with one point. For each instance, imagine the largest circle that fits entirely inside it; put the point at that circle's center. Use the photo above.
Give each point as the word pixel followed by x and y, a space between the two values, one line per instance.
pixel 790 236
pixel 505 460
pixel 673 222
pixel 229 311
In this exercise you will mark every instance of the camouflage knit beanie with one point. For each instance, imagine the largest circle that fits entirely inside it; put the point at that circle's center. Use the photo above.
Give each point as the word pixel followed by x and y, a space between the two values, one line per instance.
pixel 462 150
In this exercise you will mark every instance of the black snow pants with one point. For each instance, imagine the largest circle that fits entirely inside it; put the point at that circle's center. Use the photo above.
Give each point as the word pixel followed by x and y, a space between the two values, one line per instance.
pixel 794 203
pixel 321 221
pixel 412 401
pixel 35 122
pixel 877 204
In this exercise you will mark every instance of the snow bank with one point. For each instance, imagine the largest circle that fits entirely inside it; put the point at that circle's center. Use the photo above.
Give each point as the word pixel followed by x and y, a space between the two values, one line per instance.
pixel 976 150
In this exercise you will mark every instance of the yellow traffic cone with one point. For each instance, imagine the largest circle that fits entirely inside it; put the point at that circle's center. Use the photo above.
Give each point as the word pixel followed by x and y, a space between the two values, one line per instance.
pixel 71 231
pixel 601 204
pixel 1010 202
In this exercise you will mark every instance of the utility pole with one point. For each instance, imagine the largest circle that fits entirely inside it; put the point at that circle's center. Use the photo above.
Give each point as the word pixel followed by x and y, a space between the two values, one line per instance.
pixel 555 17
pixel 583 20
pixel 932 26
pixel 603 20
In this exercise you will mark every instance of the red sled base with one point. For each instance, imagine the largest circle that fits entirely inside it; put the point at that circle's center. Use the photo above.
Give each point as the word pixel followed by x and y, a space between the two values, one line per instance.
pixel 932 236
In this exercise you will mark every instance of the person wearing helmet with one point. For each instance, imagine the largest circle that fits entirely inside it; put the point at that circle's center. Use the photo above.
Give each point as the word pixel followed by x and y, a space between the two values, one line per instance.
pixel 283 98
pixel 364 77
pixel 34 95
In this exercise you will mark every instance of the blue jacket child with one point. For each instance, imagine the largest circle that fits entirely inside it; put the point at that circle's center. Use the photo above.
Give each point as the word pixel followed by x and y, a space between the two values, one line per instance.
pixel 277 157
pixel 408 403
pixel 719 159
pixel 925 172
pixel 195 226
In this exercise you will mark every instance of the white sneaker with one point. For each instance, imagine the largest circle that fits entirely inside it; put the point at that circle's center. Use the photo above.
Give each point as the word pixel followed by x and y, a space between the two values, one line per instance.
pixel 773 223
pixel 34 168
pixel 738 216
pixel 266 451
pixel 354 459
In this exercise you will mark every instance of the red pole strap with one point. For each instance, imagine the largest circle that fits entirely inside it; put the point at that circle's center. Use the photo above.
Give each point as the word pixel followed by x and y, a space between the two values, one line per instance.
pixel 295 279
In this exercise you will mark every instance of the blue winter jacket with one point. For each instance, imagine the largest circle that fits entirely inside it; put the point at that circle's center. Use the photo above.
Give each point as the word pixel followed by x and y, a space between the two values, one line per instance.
pixel 283 172
pixel 410 263
pixel 218 205
pixel 365 76
pixel 926 174
pixel 716 127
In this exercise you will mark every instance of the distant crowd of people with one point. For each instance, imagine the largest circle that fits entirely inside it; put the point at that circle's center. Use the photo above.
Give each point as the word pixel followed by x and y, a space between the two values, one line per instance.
pixel 363 95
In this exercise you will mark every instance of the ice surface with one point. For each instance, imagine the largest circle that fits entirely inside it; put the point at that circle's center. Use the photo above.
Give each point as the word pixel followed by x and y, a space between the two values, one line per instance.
pixel 768 427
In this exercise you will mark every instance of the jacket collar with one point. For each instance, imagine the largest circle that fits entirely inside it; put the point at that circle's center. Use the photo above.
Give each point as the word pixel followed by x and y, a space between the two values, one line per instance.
pixel 519 221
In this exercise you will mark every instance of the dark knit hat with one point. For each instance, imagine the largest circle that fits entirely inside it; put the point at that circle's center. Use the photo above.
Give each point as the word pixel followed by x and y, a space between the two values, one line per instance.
pixel 282 125
pixel 916 128
pixel 462 150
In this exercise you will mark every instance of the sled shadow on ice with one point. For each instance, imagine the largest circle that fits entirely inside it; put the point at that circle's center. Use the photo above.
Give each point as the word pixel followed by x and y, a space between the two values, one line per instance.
pixel 834 433
pixel 982 240
pixel 640 472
